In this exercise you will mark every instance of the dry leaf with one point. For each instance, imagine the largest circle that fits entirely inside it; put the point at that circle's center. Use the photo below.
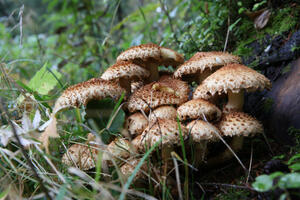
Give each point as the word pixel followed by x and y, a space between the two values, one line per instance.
pixel 262 20
pixel 50 131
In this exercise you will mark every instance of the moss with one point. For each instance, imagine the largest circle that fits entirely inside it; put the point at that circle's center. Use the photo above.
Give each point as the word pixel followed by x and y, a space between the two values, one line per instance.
pixel 281 21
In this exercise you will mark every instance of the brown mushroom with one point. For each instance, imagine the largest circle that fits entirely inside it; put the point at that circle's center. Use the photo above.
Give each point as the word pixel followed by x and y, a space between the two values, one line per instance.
pixel 163 112
pixel 232 79
pixel 202 64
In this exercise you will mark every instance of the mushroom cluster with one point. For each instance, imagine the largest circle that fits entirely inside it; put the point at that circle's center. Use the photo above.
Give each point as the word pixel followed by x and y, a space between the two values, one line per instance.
pixel 161 110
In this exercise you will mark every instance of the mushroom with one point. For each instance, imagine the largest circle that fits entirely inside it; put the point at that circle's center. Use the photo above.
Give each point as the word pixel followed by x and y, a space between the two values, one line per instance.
pixel 198 108
pixel 82 155
pixel 201 132
pixel 167 131
pixel 152 95
pixel 128 168
pixel 125 73
pixel 163 112
pixel 202 64
pixel 118 150
pixel 151 56
pixel 77 95
pixel 236 125
pixel 136 124
pixel 232 79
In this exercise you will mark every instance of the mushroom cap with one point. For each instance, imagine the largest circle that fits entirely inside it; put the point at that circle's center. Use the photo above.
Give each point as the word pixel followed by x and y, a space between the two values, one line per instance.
pixel 196 108
pixel 128 168
pixel 125 70
pixel 168 91
pixel 140 52
pixel 81 155
pixel 201 130
pixel 163 112
pixel 239 124
pixel 166 129
pixel 118 149
pixel 171 57
pixel 205 60
pixel 82 93
pixel 136 123
pixel 234 77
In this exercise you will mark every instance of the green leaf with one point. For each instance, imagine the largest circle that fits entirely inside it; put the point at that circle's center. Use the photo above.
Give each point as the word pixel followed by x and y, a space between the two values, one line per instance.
pixel 291 180
pixel 263 183
pixel 295 167
pixel 234 24
pixel 44 80
pixel 295 157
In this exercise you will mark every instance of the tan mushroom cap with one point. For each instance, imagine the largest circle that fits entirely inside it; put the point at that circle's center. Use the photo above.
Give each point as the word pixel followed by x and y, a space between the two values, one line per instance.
pixel 171 57
pixel 81 155
pixel 239 124
pixel 118 149
pixel 196 108
pixel 137 143
pixel 82 93
pixel 201 130
pixel 165 129
pixel 136 123
pixel 166 92
pixel 128 168
pixel 233 77
pixel 163 112
pixel 126 70
pixel 205 60
pixel 140 52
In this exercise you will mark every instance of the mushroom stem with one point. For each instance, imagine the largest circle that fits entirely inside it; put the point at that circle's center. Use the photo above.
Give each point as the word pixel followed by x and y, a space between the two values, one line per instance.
pixel 235 102
pixel 236 144
pixel 200 150
pixel 166 153
pixel 153 68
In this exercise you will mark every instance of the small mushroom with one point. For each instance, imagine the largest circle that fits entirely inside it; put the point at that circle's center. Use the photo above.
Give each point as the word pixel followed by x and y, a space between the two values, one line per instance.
pixel 198 108
pixel 151 56
pixel 163 112
pixel 81 155
pixel 125 73
pixel 202 133
pixel 165 130
pixel 202 64
pixel 128 168
pixel 232 79
pixel 236 125
pixel 136 124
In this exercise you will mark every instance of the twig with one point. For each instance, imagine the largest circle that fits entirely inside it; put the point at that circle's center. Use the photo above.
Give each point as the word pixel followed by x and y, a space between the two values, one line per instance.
pixel 228 29
pixel 44 189
pixel 21 23
pixel 250 164
pixel 228 185
pixel 163 7
pixel 177 178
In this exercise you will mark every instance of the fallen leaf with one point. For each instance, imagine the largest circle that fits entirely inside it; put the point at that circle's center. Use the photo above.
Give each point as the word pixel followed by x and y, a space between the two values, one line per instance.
pixel 261 21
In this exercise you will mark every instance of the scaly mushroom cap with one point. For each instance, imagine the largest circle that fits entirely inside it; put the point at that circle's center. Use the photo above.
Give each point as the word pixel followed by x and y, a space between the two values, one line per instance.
pixel 136 123
pixel 81 155
pixel 205 60
pixel 137 143
pixel 140 52
pixel 126 70
pixel 196 108
pixel 163 112
pixel 128 168
pixel 168 91
pixel 201 130
pixel 118 149
pixel 239 124
pixel 233 77
pixel 166 129
pixel 82 93
pixel 170 57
